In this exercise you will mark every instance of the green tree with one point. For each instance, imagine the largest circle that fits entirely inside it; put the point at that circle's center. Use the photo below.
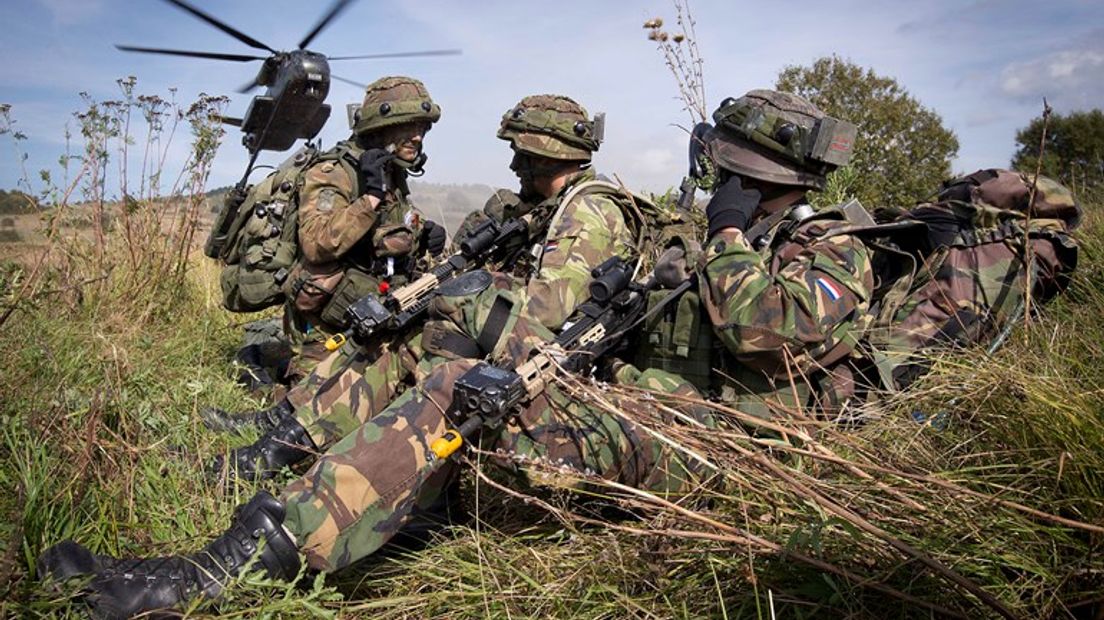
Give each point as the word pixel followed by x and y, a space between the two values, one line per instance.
pixel 1074 150
pixel 903 151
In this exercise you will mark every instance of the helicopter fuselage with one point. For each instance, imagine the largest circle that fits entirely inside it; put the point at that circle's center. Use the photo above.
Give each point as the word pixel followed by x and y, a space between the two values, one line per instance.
pixel 293 106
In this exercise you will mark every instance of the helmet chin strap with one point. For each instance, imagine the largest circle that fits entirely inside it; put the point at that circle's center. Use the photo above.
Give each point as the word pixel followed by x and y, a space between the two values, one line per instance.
pixel 414 168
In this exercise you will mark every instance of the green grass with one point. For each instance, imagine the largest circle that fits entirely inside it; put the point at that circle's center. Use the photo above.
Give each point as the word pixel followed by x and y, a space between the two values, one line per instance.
pixel 100 441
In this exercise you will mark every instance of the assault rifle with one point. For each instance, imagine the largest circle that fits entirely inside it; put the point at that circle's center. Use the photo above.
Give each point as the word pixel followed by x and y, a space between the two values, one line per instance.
pixel 397 309
pixel 487 394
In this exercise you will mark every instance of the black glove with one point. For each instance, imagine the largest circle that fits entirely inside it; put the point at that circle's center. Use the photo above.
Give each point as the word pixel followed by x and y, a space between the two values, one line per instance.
pixel 433 238
pixel 373 172
pixel 731 206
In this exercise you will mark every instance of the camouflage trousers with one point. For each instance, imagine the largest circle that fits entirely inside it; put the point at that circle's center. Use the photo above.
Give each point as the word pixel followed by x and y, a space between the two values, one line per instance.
pixel 355 383
pixel 359 494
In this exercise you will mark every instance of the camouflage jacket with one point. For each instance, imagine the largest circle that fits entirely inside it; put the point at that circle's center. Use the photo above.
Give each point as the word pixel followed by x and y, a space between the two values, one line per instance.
pixel 337 224
pixel 795 306
pixel 568 240
pixel 581 234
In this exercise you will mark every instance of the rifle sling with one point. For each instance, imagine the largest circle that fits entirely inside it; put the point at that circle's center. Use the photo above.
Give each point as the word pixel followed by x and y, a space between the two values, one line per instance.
pixel 482 345
pixel 494 325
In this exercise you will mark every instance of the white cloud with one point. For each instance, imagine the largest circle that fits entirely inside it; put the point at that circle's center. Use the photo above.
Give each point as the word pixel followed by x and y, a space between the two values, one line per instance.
pixel 655 161
pixel 1072 78
pixel 69 12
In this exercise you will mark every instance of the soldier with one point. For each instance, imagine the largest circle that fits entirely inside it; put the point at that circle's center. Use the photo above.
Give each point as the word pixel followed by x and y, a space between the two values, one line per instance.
pixel 785 288
pixel 357 226
pixel 816 308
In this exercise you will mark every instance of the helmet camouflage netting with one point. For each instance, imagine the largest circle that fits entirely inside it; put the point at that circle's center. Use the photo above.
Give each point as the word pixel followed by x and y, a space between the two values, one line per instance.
pixel 778 137
pixel 393 101
pixel 550 126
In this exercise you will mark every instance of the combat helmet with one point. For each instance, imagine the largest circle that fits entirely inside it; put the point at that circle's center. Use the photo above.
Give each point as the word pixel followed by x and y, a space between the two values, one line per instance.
pixel 779 138
pixel 393 101
pixel 552 126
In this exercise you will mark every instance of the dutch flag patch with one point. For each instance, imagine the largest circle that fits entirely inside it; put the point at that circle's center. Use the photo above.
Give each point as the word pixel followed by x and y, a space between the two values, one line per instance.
pixel 831 290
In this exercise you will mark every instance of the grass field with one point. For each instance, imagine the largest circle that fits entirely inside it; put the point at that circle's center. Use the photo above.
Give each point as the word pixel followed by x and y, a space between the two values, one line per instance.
pixel 979 493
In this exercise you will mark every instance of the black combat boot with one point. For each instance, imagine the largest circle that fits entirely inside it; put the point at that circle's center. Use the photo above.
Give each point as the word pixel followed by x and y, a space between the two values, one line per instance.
pixel 121 588
pixel 286 444
pixel 263 420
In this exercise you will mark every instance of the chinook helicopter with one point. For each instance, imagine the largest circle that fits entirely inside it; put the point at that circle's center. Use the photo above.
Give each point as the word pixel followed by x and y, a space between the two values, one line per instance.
pixel 297 82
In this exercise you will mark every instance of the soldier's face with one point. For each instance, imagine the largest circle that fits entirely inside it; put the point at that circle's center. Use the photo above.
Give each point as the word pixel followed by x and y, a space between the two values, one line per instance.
pixel 536 174
pixel 406 139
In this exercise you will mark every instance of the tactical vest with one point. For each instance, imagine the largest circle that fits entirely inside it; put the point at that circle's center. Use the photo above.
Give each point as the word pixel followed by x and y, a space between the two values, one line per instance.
pixel 262 243
pixel 656 227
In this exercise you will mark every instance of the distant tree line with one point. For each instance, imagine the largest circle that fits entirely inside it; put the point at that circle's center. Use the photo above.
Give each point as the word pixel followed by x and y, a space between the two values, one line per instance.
pixel 15 202
pixel 1074 150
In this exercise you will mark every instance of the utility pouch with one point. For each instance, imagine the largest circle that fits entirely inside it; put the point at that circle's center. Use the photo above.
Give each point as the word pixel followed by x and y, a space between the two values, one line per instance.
pixel 311 287
pixel 256 282
pixel 346 292
pixel 678 339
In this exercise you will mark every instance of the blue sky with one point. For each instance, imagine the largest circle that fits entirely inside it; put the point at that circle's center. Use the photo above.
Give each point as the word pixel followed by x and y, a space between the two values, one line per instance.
pixel 983 65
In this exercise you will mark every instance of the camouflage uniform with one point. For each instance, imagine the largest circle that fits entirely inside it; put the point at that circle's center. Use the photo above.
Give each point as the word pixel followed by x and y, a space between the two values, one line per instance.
pixel 786 314
pixel 348 246
pixel 358 495
pixel 972 279
pixel 790 294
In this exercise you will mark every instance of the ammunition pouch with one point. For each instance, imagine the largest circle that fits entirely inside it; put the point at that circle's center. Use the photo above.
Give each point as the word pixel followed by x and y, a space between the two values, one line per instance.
pixel 354 285
pixel 256 282
pixel 678 339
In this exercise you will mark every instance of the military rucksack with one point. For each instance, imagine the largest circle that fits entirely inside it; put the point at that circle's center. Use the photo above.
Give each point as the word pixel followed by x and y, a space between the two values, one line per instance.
pixel 262 243
pixel 981 249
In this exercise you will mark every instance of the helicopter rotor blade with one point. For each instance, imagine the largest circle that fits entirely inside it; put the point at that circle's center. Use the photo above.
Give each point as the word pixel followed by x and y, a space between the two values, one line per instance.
pixel 348 81
pixel 189 53
pixel 237 34
pixel 399 55
pixel 336 8
pixel 248 87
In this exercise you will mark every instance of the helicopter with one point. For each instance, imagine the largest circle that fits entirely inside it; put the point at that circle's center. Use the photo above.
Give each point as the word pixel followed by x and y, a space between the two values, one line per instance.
pixel 297 82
